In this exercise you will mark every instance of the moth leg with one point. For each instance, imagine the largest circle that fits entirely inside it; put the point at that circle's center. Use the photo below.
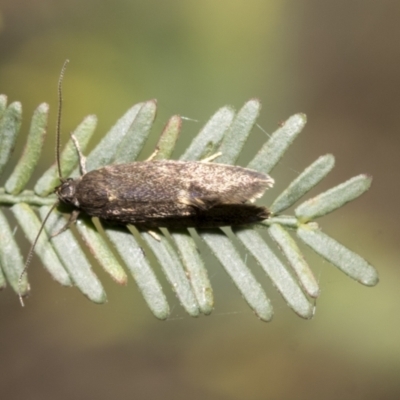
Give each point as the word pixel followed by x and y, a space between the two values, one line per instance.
pixel 72 218
pixel 82 158
pixel 211 158
pixel 154 154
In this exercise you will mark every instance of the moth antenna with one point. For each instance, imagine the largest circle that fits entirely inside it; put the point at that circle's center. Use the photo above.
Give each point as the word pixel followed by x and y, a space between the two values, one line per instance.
pixel 58 145
pixel 59 112
pixel 30 254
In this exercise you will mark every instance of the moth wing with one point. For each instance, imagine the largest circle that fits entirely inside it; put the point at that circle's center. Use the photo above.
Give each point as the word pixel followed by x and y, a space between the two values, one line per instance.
pixel 205 185
pixel 202 185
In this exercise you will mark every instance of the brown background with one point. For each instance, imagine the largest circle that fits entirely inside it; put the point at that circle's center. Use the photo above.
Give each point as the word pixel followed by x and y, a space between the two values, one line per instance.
pixel 339 63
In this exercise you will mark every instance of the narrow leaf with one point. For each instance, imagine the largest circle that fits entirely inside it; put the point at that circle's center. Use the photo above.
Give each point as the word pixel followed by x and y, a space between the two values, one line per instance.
pixel 295 258
pixel 210 135
pixel 27 196
pixel 32 150
pixel 9 128
pixel 73 258
pixel 238 132
pixel 349 262
pixel 104 152
pixel 3 104
pixel 241 275
pixel 135 259
pixel 277 272
pixel 174 272
pixel 3 282
pixel 133 141
pixel 168 138
pixel 333 198
pixel 11 261
pixel 69 157
pixel 272 151
pixel 98 247
pixel 195 270
pixel 30 224
pixel 303 183
pixel 285 220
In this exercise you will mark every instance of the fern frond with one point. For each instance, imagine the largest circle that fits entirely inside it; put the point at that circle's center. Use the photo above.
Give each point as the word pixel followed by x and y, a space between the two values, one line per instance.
pixel 176 252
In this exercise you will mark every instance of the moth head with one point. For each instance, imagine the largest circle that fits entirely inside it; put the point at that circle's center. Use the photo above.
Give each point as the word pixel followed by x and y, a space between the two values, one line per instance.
pixel 67 190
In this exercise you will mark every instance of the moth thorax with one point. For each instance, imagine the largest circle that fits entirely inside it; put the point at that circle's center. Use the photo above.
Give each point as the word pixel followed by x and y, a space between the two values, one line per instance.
pixel 66 192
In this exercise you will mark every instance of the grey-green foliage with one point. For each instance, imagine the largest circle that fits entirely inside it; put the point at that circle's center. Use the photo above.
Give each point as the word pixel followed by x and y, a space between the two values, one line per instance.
pixel 176 251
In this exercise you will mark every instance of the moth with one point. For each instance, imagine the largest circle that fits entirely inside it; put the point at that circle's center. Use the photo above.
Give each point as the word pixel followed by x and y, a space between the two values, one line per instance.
pixel 169 194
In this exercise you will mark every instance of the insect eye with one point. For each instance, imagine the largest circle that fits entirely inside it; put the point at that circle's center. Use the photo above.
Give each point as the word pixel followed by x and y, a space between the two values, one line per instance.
pixel 66 191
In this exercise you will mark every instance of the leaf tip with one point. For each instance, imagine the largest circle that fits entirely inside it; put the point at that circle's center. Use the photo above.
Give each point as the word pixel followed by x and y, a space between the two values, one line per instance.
pixel 43 108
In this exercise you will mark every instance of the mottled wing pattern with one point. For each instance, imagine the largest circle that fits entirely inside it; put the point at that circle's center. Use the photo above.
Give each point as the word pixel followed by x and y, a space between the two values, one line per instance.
pixel 173 193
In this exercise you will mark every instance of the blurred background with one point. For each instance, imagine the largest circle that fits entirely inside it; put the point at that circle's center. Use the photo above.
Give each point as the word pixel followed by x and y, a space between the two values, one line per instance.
pixel 339 63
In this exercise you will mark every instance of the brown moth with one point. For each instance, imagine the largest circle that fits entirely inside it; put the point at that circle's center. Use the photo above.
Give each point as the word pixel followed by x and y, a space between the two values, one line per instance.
pixel 166 194
pixel 169 194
